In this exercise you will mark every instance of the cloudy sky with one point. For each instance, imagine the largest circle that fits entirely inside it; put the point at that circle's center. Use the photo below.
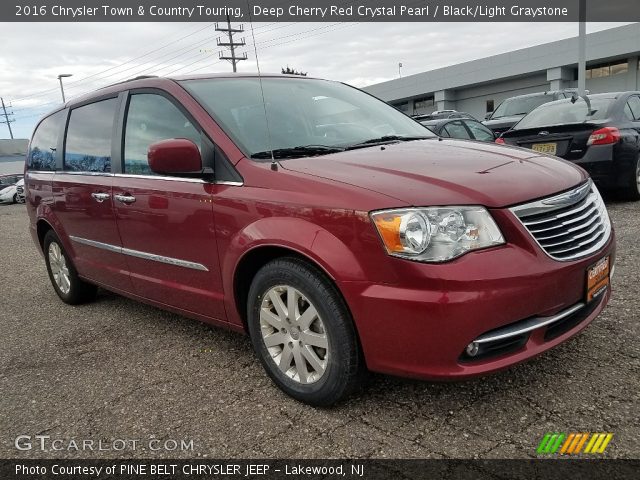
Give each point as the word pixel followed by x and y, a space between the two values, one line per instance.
pixel 97 54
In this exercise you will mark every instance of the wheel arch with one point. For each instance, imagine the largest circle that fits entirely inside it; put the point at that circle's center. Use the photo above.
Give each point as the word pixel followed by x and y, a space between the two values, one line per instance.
pixel 277 238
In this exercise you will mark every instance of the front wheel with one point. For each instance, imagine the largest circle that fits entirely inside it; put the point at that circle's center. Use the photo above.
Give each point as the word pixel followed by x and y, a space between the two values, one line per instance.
pixel 64 278
pixel 303 333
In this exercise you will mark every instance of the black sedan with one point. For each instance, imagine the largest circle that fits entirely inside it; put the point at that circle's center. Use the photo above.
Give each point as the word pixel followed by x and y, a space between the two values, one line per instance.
pixel 463 128
pixel 601 133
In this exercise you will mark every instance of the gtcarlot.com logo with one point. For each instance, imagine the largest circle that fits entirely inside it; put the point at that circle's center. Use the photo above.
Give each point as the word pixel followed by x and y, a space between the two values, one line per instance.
pixel 574 443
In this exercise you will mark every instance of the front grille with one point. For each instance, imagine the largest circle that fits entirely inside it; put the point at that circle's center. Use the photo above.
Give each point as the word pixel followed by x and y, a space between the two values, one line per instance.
pixel 568 226
pixel 20 189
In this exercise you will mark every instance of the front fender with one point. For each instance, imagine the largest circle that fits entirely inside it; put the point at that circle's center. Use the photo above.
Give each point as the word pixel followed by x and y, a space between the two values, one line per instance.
pixel 307 239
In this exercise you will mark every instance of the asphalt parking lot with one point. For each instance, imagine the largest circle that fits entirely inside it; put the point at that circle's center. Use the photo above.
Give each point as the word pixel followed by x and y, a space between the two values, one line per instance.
pixel 117 369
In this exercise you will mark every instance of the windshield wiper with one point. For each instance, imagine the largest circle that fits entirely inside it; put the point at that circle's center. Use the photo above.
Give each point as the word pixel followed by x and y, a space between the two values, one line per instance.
pixel 387 139
pixel 301 151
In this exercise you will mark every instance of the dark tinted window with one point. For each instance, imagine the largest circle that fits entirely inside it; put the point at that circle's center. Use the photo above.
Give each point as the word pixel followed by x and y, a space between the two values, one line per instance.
pixel 520 105
pixel 42 150
pixel 479 131
pixel 634 104
pixel 563 112
pixel 9 180
pixel 457 130
pixel 88 147
pixel 152 118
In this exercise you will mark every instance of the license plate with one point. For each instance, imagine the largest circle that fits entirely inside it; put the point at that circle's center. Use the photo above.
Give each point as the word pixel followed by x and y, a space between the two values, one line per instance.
pixel 550 148
pixel 597 279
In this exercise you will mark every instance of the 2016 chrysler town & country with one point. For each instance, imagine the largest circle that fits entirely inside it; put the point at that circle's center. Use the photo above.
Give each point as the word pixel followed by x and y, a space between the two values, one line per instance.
pixel 339 233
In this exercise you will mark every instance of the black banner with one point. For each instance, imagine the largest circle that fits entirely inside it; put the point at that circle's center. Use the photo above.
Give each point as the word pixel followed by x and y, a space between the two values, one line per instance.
pixel 534 469
pixel 317 11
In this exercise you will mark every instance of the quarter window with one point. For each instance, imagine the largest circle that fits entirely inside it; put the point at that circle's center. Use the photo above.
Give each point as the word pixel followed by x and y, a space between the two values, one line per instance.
pixel 43 147
pixel 88 146
pixel 479 131
pixel 152 118
pixel 634 104
pixel 457 130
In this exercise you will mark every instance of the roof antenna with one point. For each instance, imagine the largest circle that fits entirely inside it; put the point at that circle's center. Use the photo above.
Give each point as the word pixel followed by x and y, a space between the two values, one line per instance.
pixel 274 164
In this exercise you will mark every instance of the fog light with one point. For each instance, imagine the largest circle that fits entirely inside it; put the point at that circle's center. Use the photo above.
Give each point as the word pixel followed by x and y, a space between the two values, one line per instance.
pixel 472 349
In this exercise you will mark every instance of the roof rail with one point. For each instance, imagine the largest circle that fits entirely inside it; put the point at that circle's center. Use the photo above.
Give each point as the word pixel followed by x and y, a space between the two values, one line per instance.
pixel 139 77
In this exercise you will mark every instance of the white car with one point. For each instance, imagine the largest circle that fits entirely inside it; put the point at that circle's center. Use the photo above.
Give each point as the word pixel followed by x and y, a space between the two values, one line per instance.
pixel 9 194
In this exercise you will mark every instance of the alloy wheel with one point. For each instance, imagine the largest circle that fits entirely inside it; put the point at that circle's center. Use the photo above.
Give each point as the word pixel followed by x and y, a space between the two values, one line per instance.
pixel 294 334
pixel 59 268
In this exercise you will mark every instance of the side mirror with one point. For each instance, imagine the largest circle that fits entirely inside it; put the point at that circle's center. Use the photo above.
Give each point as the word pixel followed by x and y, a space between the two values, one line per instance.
pixel 174 156
pixel 488 115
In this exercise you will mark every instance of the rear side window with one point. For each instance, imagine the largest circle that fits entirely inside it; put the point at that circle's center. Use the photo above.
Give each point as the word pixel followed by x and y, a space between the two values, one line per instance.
pixel 43 153
pixel 457 130
pixel 152 118
pixel 479 131
pixel 88 145
pixel 634 104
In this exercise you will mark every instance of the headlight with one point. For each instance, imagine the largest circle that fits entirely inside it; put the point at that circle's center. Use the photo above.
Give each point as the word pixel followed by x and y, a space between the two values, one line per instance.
pixel 436 234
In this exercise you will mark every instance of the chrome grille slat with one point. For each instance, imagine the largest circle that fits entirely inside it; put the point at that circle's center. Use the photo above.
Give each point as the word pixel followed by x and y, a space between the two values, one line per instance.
pixel 568 226
pixel 575 247
pixel 569 230
pixel 559 216
pixel 574 237
pixel 568 222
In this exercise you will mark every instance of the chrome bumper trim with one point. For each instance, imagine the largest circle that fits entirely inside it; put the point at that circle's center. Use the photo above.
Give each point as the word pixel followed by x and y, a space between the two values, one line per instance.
pixel 527 325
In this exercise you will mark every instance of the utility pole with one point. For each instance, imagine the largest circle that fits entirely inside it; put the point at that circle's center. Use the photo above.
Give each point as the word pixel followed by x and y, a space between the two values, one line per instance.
pixel 582 48
pixel 233 58
pixel 6 117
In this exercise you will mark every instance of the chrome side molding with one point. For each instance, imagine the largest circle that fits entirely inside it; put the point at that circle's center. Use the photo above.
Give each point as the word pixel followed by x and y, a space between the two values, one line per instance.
pixel 138 254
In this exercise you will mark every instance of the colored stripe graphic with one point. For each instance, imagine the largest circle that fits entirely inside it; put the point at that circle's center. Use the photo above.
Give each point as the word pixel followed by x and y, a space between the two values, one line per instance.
pixel 550 443
pixel 573 442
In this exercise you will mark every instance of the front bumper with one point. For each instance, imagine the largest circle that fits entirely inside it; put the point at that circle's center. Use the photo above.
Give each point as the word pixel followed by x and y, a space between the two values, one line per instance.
pixel 422 328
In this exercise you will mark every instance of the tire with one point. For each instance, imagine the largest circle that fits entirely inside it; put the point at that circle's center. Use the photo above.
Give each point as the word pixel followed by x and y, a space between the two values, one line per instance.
pixel 632 189
pixel 311 373
pixel 63 275
pixel 15 198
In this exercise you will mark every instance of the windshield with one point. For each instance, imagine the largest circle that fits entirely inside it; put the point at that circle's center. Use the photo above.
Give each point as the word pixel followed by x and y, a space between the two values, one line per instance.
pixel 564 112
pixel 301 112
pixel 520 106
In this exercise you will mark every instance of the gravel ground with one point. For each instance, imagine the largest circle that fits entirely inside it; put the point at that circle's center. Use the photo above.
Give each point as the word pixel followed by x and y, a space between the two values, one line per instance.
pixel 117 369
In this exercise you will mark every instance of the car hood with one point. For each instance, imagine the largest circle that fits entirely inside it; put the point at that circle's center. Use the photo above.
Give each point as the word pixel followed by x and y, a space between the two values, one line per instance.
pixel 446 172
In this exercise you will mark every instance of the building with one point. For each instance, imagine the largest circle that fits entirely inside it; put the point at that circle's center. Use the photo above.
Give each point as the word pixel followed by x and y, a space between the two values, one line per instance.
pixel 478 87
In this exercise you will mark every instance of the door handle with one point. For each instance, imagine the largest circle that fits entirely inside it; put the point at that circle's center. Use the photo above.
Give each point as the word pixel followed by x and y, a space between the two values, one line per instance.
pixel 128 199
pixel 100 196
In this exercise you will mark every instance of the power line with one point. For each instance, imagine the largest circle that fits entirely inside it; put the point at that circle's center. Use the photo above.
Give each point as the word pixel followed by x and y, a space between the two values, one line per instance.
pixel 161 66
pixel 233 58
pixel 82 80
pixel 6 116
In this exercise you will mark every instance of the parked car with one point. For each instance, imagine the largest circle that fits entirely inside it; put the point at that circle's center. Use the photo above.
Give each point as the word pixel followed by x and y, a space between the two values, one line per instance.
pixel 513 109
pixel 464 129
pixel 20 191
pixel 602 136
pixel 442 114
pixel 339 233
pixel 9 194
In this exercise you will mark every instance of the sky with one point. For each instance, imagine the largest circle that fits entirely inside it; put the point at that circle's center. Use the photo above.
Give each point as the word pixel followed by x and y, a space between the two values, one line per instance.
pixel 98 54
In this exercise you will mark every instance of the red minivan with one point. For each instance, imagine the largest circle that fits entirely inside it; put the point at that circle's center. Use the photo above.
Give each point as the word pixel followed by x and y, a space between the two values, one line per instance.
pixel 339 233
